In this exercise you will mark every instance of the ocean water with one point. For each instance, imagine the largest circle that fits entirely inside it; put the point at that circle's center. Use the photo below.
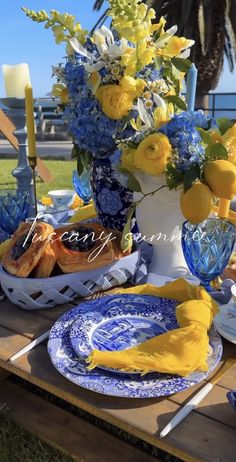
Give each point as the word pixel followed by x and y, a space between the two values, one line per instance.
pixel 225 105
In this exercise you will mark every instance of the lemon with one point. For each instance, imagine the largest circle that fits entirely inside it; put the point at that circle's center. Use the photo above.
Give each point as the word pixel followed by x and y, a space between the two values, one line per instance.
pixel 196 203
pixel 220 176
pixel 4 246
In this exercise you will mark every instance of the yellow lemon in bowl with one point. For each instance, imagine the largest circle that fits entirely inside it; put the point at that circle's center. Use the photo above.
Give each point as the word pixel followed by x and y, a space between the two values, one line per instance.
pixel 196 203
pixel 220 176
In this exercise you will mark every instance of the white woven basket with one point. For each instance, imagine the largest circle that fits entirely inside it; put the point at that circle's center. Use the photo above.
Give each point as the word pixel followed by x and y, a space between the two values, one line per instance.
pixel 34 294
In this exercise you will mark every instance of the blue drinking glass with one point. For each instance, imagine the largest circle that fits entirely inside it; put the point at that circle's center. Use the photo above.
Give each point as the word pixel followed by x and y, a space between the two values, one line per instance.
pixel 82 185
pixel 207 248
pixel 14 208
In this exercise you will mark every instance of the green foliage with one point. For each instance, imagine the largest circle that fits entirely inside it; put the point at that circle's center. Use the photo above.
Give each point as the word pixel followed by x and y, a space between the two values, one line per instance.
pixel 177 101
pixel 205 136
pixel 216 151
pixel 190 176
pixel 174 177
pixel 182 64
pixel 133 183
pixel 224 124
pixel 84 158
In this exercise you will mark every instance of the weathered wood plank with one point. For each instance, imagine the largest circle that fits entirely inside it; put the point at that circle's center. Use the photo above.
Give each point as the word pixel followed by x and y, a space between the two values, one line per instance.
pixel 73 435
pixel 215 405
pixel 27 323
pixel 10 343
pixel 195 439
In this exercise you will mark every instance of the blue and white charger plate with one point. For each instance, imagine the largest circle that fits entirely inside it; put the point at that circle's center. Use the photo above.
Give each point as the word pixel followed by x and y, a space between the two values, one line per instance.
pixel 225 322
pixel 73 367
pixel 121 325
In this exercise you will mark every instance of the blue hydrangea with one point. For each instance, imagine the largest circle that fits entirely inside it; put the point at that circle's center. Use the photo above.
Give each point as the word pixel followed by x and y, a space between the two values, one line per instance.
pixel 185 138
pixel 90 128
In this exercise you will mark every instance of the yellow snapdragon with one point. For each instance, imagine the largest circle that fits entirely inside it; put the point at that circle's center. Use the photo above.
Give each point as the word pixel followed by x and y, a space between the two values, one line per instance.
pixel 174 46
pixel 162 115
pixel 60 90
pixel 132 19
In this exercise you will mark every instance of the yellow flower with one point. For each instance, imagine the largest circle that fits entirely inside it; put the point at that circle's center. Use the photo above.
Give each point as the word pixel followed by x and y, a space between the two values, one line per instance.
pixel 46 200
pixel 174 46
pixel 116 103
pixel 230 132
pixel 162 115
pixel 133 86
pixel 127 158
pixel 94 81
pixel 230 145
pixel 135 59
pixel 215 136
pixel 152 154
pixel 60 90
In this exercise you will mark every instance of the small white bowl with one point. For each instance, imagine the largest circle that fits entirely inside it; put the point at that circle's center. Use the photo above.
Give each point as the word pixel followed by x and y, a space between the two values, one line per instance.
pixel 62 198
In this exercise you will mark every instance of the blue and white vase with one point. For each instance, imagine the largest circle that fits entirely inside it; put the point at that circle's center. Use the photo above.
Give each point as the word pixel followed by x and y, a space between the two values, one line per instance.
pixel 111 196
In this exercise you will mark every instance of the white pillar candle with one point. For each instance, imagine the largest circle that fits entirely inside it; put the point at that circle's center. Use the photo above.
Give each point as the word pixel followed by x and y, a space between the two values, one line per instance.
pixel 16 78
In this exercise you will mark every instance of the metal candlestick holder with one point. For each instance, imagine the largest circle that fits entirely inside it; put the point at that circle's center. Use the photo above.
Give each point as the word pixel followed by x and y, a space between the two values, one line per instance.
pixel 25 169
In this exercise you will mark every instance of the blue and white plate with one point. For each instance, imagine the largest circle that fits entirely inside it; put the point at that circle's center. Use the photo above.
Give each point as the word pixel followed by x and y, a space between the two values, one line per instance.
pixel 225 322
pixel 118 324
pixel 73 367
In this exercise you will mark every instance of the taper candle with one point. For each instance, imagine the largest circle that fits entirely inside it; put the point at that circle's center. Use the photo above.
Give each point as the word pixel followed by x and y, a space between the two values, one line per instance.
pixel 16 78
pixel 29 110
pixel 191 87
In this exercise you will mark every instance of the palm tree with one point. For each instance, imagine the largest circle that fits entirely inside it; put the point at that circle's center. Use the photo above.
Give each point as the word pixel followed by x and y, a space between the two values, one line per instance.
pixel 212 24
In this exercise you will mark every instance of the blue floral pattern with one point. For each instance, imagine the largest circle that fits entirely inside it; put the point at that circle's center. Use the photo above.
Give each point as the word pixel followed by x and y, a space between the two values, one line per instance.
pixel 151 385
pixel 111 195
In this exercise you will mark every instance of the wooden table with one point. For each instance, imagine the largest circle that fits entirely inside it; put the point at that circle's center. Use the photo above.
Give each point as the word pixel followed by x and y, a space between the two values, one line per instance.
pixel 208 434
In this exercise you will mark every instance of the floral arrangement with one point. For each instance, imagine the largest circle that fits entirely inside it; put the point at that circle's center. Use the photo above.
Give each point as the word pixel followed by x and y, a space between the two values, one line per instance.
pixel 123 87
pixel 114 80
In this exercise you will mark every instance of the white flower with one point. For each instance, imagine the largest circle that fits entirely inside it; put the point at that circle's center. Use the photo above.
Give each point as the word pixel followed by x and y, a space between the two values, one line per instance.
pixel 104 41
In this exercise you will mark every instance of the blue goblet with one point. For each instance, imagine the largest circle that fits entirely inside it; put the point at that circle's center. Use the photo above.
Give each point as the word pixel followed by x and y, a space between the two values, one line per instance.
pixel 82 185
pixel 14 208
pixel 207 248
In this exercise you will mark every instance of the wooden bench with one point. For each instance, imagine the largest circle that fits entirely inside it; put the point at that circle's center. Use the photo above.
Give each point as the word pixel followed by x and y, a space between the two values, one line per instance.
pixel 207 435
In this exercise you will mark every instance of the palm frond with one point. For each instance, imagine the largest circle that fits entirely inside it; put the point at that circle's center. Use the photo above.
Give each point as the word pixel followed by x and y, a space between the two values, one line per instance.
pixel 232 15
pixel 98 4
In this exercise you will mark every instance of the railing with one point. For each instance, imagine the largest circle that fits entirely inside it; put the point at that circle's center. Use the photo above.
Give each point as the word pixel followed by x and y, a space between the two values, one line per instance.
pixel 220 105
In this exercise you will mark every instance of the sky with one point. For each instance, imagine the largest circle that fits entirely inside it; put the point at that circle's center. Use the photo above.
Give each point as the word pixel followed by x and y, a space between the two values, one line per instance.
pixel 25 41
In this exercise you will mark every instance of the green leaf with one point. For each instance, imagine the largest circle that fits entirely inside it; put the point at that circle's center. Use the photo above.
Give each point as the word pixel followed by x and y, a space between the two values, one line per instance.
pixel 179 102
pixel 218 151
pixel 174 177
pixel 80 166
pixel 182 64
pixel 132 183
pixel 126 238
pixel 191 175
pixel 205 136
pixel 158 61
pixel 87 159
pixel 175 73
pixel 224 124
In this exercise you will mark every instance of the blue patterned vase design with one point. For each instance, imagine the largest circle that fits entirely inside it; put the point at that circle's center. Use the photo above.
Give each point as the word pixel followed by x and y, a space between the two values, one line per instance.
pixel 111 196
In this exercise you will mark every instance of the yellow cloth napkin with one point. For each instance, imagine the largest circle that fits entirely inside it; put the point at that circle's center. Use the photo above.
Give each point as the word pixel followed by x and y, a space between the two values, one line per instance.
pixel 88 211
pixel 180 351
